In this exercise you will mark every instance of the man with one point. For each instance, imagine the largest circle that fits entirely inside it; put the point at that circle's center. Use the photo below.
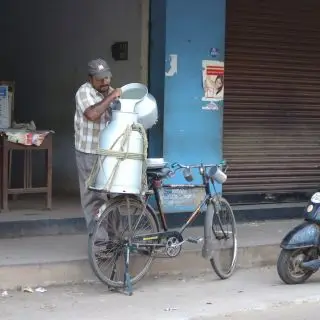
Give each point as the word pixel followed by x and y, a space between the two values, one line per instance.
pixel 93 112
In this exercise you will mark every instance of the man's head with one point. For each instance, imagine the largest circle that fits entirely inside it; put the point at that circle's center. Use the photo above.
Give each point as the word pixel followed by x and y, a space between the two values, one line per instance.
pixel 99 75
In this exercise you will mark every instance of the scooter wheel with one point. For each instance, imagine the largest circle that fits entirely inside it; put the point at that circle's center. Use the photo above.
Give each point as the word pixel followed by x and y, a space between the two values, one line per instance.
pixel 288 266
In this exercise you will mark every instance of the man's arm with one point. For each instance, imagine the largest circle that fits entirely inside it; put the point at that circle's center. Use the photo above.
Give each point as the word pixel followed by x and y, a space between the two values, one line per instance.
pixel 93 111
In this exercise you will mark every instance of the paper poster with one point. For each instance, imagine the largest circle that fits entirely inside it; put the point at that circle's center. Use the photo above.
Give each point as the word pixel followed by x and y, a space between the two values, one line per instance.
pixel 213 80
pixel 173 65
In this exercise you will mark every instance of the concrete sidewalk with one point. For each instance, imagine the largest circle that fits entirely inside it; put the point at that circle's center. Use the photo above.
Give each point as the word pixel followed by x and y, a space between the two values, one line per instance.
pixel 46 260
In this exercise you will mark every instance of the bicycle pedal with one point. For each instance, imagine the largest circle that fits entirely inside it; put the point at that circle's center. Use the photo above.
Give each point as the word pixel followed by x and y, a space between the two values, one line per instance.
pixel 195 240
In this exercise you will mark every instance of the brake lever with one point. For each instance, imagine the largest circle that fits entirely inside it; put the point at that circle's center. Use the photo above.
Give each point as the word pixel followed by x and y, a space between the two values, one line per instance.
pixel 174 165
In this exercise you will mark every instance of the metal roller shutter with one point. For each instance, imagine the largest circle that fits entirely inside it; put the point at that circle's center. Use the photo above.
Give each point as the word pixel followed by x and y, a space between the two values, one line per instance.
pixel 272 97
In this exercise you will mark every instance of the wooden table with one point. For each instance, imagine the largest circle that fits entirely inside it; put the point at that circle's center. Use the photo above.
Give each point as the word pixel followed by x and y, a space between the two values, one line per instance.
pixel 7 148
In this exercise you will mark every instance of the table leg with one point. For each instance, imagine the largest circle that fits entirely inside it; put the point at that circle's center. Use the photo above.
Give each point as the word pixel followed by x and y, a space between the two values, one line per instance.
pixel 1 169
pixel 14 196
pixel 5 177
pixel 49 177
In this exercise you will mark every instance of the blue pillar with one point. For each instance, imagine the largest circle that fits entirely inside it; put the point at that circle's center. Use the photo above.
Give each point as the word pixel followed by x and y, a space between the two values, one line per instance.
pixel 157 41
pixel 191 134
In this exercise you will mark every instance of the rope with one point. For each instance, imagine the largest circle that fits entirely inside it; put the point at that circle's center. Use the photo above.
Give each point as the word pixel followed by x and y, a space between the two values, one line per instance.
pixel 121 155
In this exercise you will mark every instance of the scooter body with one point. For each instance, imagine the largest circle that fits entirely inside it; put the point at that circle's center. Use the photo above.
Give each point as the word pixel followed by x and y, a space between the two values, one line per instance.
pixel 299 257
pixel 305 235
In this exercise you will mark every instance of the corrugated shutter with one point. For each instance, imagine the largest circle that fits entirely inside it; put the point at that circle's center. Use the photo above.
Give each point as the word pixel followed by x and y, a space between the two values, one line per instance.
pixel 272 96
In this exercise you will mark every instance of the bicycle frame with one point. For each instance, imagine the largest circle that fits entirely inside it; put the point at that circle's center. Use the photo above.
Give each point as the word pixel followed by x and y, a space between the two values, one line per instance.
pixel 157 185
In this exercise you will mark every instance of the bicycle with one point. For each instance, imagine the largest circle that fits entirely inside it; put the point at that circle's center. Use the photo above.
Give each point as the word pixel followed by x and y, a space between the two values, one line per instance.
pixel 120 241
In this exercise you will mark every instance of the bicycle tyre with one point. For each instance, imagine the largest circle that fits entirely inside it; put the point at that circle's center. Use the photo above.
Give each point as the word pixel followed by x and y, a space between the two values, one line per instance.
pixel 92 260
pixel 214 262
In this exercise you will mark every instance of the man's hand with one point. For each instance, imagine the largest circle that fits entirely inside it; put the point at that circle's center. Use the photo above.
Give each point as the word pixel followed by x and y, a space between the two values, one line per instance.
pixel 116 93
pixel 94 112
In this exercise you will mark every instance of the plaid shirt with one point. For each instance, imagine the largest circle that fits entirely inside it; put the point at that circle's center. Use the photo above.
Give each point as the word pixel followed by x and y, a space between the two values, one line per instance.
pixel 87 132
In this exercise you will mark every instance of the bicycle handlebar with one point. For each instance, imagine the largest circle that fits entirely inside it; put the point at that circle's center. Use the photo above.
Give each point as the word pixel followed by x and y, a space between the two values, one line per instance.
pixel 178 166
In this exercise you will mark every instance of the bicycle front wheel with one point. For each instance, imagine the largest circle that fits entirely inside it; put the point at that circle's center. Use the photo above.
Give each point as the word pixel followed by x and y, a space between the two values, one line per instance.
pixel 224 231
pixel 124 218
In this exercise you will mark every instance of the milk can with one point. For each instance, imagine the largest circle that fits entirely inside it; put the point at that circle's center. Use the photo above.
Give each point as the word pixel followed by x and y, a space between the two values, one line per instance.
pixel 117 170
pixel 122 176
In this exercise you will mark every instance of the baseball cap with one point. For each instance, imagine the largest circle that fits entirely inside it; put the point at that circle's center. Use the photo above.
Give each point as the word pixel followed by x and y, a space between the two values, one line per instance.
pixel 99 69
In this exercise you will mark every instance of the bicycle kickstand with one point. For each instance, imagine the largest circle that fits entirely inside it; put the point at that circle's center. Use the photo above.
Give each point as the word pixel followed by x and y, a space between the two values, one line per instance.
pixel 127 277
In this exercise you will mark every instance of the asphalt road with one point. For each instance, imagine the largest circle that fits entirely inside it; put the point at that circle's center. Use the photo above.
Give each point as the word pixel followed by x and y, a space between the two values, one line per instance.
pixel 300 311
pixel 249 294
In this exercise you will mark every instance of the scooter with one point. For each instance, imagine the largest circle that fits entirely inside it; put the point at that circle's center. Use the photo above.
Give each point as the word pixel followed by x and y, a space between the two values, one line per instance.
pixel 299 257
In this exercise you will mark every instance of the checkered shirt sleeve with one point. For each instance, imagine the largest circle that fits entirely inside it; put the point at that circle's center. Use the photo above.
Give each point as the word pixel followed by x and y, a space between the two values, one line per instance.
pixel 87 132
pixel 84 98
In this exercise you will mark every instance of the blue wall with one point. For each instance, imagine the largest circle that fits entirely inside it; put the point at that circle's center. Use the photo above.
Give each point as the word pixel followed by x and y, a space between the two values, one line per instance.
pixel 190 134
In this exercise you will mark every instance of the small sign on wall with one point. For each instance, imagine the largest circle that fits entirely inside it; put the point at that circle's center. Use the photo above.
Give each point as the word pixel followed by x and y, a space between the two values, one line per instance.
pixel 119 50
pixel 214 52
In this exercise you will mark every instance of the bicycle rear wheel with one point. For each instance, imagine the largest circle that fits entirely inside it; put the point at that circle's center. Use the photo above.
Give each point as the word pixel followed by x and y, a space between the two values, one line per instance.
pixel 111 233
pixel 224 231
